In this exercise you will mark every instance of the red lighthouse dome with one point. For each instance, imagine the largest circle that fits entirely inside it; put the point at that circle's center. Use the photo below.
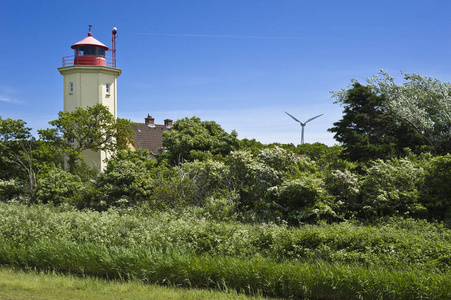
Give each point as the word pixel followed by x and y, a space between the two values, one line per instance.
pixel 89 51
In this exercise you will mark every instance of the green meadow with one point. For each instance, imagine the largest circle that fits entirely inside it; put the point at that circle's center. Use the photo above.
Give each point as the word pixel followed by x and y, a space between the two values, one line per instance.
pixel 395 259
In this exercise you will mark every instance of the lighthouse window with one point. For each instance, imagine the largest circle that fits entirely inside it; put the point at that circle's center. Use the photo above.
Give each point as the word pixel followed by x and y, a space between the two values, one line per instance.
pixel 71 87
pixel 89 50
pixel 107 88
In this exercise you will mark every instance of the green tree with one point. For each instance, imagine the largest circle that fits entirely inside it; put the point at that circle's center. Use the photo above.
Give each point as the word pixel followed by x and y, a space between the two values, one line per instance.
pixel 390 188
pixel 191 138
pixel 422 102
pixel 12 132
pixel 436 188
pixel 20 159
pixel 126 180
pixel 368 129
pixel 93 128
pixel 57 187
pixel 253 146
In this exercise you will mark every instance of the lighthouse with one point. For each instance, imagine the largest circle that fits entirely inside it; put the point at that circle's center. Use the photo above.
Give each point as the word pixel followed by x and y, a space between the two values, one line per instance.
pixel 90 78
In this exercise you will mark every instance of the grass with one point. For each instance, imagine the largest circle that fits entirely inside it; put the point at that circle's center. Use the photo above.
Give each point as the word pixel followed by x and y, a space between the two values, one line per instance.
pixel 397 259
pixel 34 285
pixel 293 279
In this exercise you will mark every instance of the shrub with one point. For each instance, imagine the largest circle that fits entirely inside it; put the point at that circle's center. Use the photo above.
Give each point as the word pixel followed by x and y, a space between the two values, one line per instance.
pixel 173 188
pixel 303 199
pixel 211 178
pixel 389 188
pixel 222 208
pixel 58 187
pixel 436 188
pixel 124 182
pixel 11 190
pixel 277 158
pixel 344 186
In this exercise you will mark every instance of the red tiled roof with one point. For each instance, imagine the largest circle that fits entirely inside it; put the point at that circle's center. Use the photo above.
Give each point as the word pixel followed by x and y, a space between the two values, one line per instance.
pixel 149 137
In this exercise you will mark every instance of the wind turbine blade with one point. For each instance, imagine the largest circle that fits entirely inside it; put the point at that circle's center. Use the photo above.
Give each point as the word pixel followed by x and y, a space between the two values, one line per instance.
pixel 293 118
pixel 313 118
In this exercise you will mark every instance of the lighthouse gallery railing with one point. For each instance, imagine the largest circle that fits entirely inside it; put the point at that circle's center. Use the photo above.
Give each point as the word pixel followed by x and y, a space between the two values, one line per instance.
pixel 70 60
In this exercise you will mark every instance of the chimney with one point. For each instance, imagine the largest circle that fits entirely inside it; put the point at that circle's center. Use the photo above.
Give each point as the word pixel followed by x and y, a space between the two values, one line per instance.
pixel 149 120
pixel 168 123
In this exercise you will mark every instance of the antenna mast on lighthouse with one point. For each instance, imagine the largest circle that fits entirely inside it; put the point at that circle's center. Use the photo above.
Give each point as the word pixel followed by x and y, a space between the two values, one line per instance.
pixel 113 48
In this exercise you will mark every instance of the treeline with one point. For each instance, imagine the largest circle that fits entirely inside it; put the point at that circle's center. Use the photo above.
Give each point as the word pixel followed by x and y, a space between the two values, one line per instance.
pixel 247 181
pixel 392 161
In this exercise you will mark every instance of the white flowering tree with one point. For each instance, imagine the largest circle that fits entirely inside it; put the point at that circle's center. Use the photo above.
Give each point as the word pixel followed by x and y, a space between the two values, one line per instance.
pixel 424 102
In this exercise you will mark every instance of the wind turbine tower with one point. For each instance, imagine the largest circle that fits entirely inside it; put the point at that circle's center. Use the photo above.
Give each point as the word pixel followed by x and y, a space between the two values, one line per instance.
pixel 303 124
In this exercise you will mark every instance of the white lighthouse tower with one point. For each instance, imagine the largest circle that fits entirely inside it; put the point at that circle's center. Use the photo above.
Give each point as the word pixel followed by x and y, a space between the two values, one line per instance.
pixel 90 78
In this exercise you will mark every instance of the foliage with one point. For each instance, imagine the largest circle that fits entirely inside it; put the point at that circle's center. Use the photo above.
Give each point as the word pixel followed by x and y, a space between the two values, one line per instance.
pixel 124 134
pixel 398 258
pixel 93 128
pixel 286 279
pixel 389 242
pixel 211 179
pixel 10 190
pixel 13 130
pixel 174 188
pixel 303 199
pixel 11 133
pixel 436 188
pixel 263 183
pixel 390 189
pixel 252 145
pixel 191 138
pixel 368 129
pixel 222 208
pixel 422 102
pixel 126 180
pixel 20 157
pixel 57 187
pixel 344 187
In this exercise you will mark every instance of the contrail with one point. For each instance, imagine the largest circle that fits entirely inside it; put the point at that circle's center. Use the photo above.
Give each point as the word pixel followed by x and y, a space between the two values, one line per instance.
pixel 219 36
pixel 8 99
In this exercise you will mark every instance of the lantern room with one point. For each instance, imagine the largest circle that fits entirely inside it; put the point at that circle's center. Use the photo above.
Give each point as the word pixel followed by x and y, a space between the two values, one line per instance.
pixel 91 52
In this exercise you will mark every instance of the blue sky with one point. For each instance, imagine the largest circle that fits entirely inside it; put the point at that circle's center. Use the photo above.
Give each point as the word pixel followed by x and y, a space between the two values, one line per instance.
pixel 241 63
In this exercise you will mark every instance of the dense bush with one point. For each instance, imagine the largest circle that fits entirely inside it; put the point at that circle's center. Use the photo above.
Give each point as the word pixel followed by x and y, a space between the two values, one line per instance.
pixel 57 187
pixel 390 188
pixel 191 138
pixel 344 186
pixel 124 182
pixel 204 167
pixel 436 188
pixel 272 185
pixel 10 190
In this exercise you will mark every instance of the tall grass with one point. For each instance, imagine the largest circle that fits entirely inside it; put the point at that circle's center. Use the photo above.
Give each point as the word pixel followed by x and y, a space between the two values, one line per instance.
pixel 400 259
pixel 288 279
pixel 394 243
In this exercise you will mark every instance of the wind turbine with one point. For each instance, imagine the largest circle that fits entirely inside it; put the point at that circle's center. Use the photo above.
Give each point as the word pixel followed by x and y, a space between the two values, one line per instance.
pixel 303 124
